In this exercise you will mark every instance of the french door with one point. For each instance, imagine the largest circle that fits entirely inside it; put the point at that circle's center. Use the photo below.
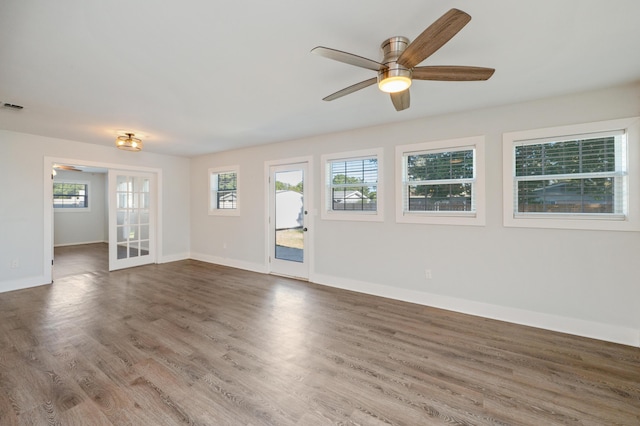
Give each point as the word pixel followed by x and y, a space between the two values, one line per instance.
pixel 132 212
pixel 289 220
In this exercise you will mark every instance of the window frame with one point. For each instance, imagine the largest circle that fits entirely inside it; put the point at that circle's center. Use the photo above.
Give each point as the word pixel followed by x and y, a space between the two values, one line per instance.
pixel 624 221
pixel 87 185
pixel 213 209
pixel 327 212
pixel 474 218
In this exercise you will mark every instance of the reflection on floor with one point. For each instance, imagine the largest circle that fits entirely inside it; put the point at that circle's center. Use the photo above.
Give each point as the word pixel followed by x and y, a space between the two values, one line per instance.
pixel 80 259
pixel 289 253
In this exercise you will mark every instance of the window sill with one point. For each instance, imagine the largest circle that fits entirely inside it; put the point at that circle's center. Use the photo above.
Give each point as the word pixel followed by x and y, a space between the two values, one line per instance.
pixel 442 218
pixel 71 210
pixel 224 212
pixel 355 216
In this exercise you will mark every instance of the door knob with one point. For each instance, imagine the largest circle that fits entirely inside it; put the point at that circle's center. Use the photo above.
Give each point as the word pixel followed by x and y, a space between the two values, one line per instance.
pixel 304 229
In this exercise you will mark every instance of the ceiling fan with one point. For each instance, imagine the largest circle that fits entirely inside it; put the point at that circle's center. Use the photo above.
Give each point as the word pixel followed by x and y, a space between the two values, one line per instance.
pixel 398 66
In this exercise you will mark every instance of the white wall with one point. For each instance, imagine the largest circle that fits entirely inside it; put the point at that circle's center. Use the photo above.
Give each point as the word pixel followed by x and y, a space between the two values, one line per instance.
pixel 73 226
pixel 22 201
pixel 580 282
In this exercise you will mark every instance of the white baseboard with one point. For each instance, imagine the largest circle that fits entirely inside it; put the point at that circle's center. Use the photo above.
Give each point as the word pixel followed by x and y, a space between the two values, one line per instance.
pixel 607 332
pixel 22 283
pixel 175 257
pixel 233 263
pixel 79 243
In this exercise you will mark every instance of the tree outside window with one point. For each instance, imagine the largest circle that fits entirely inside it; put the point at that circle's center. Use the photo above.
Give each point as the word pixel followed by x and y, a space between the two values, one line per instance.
pixel 70 195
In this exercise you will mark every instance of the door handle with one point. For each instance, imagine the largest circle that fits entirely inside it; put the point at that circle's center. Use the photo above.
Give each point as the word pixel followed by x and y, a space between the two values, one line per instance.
pixel 304 229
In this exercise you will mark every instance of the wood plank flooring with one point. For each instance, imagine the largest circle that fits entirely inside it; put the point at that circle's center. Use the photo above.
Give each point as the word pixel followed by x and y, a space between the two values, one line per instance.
pixel 193 343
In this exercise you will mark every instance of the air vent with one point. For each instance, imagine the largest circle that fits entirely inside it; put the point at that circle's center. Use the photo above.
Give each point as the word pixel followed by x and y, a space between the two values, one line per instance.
pixel 12 106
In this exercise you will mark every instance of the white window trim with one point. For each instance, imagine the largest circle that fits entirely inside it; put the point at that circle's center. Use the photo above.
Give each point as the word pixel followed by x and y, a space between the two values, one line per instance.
pixel 631 222
pixel 74 209
pixel 476 218
pixel 356 215
pixel 213 211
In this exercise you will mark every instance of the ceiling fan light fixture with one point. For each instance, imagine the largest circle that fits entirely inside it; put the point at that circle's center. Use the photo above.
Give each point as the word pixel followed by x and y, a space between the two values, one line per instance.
pixel 128 142
pixel 394 79
pixel 394 84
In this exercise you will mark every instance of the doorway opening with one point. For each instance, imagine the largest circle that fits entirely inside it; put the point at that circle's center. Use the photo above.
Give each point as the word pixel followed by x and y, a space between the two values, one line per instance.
pixel 80 227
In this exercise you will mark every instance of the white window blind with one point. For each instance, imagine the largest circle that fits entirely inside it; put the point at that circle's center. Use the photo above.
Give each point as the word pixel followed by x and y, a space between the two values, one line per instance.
pixel 352 184
pixel 440 180
pixel 575 175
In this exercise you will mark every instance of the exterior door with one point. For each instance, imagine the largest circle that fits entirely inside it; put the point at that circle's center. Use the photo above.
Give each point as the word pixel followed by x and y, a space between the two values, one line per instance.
pixel 288 220
pixel 132 214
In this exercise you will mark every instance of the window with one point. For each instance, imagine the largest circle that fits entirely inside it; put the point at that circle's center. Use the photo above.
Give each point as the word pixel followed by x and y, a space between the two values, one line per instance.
pixel 71 196
pixel 223 191
pixel 353 185
pixel 441 182
pixel 572 177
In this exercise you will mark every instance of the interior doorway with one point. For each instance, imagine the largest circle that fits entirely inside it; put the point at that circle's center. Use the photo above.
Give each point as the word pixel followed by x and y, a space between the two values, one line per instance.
pixel 97 247
pixel 80 225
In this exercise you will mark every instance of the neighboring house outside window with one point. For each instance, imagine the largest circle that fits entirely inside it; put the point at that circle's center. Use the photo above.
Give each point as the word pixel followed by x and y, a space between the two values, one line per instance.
pixel 441 182
pixel 71 195
pixel 353 185
pixel 223 191
pixel 571 177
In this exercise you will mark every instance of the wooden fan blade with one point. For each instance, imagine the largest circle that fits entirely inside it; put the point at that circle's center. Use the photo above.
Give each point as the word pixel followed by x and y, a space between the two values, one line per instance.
pixel 401 100
pixel 452 73
pixel 434 37
pixel 67 168
pixel 351 89
pixel 348 58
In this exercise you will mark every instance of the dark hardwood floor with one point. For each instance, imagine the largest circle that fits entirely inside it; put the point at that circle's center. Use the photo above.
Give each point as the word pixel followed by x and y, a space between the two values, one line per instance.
pixel 80 259
pixel 193 343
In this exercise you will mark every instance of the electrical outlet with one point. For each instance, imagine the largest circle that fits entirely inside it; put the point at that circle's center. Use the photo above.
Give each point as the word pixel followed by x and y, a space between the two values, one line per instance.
pixel 15 264
pixel 427 274
pixel 224 245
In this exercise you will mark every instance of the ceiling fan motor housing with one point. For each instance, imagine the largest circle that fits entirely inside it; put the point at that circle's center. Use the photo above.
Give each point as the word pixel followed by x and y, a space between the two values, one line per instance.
pixel 392 49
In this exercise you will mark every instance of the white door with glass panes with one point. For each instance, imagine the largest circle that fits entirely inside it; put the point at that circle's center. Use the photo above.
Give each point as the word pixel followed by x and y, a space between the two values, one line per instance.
pixel 132 212
pixel 289 220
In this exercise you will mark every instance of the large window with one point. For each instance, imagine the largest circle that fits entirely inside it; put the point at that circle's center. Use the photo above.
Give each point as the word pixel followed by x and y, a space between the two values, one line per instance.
pixel 223 191
pixel 568 177
pixel 353 185
pixel 442 182
pixel 583 175
pixel 71 196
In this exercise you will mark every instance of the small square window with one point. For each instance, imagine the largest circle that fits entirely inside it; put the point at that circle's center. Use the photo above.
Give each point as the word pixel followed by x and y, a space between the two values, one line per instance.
pixel 353 186
pixel 223 191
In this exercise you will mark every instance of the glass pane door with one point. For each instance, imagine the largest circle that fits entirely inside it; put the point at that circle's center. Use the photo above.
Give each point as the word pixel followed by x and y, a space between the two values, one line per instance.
pixel 288 220
pixel 130 220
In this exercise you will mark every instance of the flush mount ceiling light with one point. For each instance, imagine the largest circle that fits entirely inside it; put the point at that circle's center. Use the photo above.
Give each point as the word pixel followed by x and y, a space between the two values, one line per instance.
pixel 127 142
pixel 394 77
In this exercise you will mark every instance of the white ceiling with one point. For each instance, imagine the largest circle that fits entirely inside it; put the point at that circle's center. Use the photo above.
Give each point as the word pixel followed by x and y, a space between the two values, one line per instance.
pixel 216 75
